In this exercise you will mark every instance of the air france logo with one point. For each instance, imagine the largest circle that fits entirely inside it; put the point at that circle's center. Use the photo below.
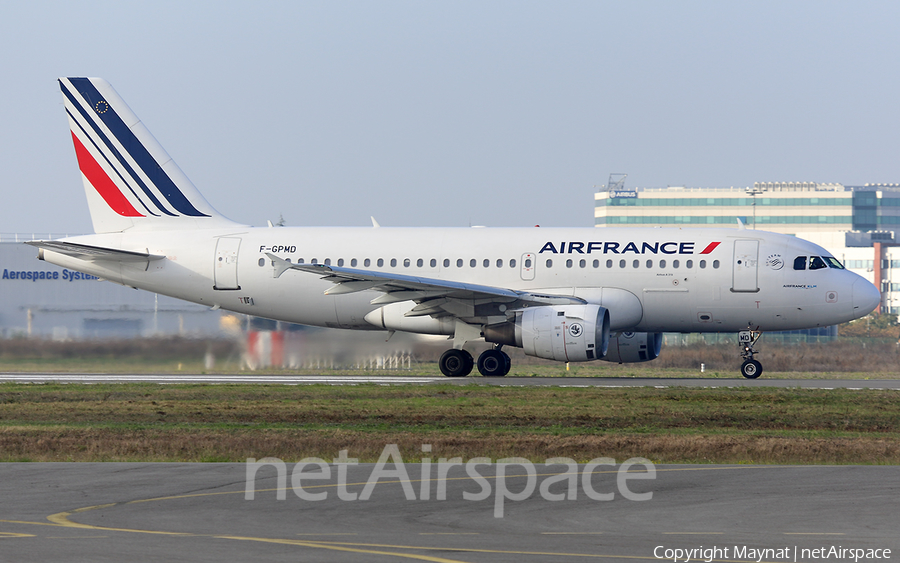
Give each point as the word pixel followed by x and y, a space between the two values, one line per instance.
pixel 578 247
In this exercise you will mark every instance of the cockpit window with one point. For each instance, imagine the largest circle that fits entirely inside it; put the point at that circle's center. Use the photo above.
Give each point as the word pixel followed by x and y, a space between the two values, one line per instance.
pixel 816 263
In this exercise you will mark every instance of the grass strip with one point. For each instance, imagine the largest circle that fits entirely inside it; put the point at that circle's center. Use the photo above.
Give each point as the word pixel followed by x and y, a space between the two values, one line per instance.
pixel 146 422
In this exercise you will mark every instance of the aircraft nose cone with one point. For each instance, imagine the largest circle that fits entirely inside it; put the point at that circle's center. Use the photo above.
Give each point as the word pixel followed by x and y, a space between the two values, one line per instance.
pixel 865 297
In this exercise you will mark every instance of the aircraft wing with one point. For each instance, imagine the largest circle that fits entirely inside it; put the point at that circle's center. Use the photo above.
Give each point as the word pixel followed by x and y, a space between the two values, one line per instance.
pixel 430 294
pixel 94 253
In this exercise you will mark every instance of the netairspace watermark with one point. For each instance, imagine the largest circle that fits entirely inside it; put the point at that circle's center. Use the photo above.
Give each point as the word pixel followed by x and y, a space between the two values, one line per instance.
pixel 317 469
pixel 786 553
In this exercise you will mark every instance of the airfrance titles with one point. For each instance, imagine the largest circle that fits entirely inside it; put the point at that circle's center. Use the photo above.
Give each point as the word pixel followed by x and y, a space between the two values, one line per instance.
pixel 595 247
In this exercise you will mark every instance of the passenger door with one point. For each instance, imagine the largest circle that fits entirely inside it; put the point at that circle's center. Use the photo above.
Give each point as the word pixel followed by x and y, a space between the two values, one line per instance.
pixel 225 270
pixel 745 266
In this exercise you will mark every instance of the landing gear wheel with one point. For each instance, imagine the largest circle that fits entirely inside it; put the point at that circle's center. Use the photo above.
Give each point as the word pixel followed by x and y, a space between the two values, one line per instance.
pixel 751 369
pixel 456 363
pixel 493 363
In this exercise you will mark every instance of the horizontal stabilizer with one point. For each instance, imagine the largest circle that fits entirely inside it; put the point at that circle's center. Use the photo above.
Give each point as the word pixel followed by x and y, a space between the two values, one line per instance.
pixel 94 253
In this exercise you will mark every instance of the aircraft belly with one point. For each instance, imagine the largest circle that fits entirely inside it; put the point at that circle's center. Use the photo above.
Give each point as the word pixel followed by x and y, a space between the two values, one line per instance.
pixel 351 310
pixel 666 309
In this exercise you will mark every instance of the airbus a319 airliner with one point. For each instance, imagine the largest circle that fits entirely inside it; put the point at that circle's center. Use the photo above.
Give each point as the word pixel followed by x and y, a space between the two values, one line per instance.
pixel 566 294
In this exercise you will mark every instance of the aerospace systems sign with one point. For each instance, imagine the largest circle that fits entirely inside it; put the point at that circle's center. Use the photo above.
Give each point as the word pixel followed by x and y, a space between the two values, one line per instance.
pixel 50 275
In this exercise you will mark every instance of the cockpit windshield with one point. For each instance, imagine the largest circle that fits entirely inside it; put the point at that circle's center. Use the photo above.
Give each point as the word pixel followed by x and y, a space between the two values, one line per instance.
pixel 817 262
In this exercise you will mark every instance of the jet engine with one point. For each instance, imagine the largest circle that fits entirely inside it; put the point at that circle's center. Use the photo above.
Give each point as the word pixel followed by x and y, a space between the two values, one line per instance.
pixel 630 347
pixel 566 333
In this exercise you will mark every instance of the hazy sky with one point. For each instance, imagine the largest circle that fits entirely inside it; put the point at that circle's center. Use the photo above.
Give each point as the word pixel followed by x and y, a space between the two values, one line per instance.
pixel 453 113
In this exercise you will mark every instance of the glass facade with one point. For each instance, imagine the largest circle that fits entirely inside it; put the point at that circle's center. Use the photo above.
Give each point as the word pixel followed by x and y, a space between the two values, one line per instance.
pixel 728 219
pixel 812 207
pixel 723 201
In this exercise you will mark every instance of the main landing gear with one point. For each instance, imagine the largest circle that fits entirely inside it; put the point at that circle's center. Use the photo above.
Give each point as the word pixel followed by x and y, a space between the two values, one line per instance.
pixel 459 363
pixel 751 369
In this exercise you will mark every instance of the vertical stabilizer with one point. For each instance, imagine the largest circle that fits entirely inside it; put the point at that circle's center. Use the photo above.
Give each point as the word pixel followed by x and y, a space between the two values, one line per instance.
pixel 129 179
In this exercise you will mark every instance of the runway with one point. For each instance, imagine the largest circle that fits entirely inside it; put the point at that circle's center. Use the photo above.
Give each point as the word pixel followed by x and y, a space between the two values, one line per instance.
pixel 472 380
pixel 200 512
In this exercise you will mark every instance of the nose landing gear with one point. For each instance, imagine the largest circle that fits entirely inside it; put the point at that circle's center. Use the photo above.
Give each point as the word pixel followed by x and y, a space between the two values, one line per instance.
pixel 751 369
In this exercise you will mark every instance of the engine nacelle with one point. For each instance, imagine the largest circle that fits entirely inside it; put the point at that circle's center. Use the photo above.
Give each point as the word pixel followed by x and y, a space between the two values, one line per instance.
pixel 630 347
pixel 566 333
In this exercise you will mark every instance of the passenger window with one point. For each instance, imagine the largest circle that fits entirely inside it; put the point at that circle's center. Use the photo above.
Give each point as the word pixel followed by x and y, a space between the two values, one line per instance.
pixel 420 262
pixel 609 263
pixel 689 264
pixel 662 264
pixel 512 263
pixel 262 262
pixel 367 262
pixel 816 263
pixel 702 264
pixel 528 263
pixel 569 263
pixel 406 262
pixel 621 263
pixel 393 262
pixel 433 263
pixel 715 264
pixel 380 262
pixel 459 262
pixel 675 264
pixel 314 261
pixel 800 263
pixel 472 263
pixel 596 263
pixel 582 263
pixel 549 263
pixel 499 262
pixel 340 261
pixel 328 261
pixel 299 260
pixel 487 263
pixel 353 262
pixel 446 262
pixel 636 264
pixel 649 263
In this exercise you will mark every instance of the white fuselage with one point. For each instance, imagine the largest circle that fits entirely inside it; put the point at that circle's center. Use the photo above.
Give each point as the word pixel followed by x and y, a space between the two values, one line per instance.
pixel 747 280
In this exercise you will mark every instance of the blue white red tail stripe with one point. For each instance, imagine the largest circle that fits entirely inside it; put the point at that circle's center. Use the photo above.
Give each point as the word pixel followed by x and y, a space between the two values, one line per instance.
pixel 126 154
pixel 84 154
